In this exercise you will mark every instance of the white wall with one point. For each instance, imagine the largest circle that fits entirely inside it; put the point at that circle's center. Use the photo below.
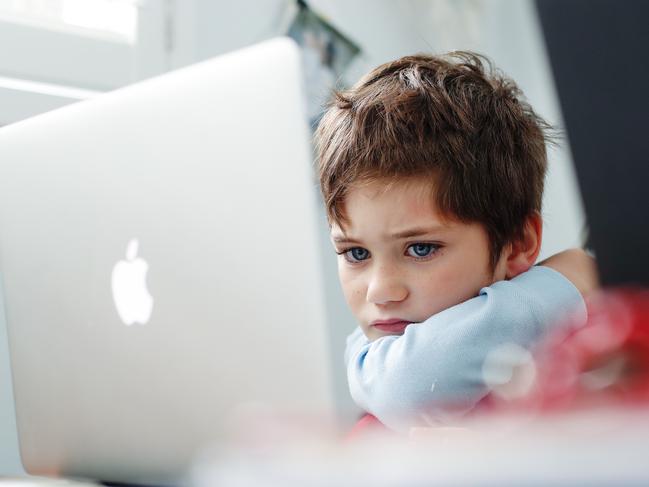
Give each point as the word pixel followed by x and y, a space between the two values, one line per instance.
pixel 10 464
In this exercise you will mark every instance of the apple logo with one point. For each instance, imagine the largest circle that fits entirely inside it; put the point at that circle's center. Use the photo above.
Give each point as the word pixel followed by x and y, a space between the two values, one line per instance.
pixel 132 299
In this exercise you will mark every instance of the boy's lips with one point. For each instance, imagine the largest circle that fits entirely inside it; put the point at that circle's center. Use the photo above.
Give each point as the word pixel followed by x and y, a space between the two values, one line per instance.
pixel 394 325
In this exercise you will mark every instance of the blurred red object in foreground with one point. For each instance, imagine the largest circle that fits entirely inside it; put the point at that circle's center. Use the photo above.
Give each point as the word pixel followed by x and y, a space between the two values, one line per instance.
pixel 367 425
pixel 603 363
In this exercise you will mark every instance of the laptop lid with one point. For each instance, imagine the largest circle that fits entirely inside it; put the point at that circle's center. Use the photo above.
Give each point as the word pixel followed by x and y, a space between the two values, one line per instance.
pixel 161 269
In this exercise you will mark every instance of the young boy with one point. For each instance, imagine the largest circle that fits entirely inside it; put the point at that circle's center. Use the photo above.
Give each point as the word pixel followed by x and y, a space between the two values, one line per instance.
pixel 432 172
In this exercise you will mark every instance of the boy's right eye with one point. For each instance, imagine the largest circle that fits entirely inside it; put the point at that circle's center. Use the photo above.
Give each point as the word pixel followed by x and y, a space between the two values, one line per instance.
pixel 355 254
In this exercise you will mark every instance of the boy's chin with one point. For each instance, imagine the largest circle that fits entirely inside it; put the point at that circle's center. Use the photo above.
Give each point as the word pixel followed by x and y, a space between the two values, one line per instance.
pixel 374 334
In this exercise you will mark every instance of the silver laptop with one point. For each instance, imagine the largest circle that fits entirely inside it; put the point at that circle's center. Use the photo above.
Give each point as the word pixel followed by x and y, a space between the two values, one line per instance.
pixel 161 270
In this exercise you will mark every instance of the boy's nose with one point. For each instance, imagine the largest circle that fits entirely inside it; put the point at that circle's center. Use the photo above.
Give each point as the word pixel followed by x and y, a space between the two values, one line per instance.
pixel 385 287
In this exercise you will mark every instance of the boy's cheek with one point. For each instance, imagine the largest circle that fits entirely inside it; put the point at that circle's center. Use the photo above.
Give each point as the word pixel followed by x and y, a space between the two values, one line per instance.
pixel 354 292
pixel 355 297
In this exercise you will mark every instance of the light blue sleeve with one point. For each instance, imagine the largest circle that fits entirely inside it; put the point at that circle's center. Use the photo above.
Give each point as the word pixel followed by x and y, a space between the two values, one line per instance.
pixel 433 372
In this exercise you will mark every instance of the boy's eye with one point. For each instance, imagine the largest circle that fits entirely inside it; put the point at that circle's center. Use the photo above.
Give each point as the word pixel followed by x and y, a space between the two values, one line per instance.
pixel 356 254
pixel 420 250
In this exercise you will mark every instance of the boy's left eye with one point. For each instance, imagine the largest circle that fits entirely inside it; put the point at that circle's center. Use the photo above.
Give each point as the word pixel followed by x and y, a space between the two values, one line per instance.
pixel 420 250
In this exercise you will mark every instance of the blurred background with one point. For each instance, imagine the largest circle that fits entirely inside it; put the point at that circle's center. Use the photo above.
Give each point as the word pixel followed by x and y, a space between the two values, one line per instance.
pixel 57 52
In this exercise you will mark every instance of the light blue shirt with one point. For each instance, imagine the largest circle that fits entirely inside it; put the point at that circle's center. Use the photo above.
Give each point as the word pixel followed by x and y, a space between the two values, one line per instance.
pixel 434 371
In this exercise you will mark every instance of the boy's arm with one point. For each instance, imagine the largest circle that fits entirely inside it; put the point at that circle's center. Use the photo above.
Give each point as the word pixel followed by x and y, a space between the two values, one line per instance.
pixel 433 372
pixel 578 267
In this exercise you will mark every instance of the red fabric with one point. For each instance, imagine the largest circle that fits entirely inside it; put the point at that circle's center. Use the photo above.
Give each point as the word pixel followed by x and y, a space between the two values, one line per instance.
pixel 603 363
pixel 613 346
pixel 368 424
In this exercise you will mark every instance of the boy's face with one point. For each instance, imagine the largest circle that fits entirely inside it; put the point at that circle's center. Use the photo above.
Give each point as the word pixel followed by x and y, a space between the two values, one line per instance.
pixel 400 261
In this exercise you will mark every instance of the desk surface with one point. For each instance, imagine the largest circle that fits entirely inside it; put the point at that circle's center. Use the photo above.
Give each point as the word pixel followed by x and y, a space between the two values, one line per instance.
pixel 42 482
pixel 594 449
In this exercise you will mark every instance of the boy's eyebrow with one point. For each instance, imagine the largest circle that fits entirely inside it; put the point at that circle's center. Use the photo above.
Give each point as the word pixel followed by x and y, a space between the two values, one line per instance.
pixel 418 231
pixel 409 233
pixel 343 239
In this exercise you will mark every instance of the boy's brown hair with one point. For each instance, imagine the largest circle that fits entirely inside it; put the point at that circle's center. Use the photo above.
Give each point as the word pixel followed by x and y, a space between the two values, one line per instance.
pixel 453 120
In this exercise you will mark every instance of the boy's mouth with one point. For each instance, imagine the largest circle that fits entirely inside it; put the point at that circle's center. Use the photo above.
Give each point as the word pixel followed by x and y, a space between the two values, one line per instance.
pixel 395 325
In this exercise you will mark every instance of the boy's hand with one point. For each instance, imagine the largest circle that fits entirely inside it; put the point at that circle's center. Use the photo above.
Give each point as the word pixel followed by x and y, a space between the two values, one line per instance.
pixel 577 266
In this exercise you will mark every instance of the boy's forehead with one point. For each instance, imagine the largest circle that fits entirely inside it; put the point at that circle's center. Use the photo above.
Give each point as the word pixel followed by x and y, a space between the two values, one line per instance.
pixel 395 209
pixel 406 193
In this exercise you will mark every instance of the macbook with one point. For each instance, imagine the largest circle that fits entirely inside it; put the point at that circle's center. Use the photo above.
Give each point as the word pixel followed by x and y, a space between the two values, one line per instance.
pixel 160 260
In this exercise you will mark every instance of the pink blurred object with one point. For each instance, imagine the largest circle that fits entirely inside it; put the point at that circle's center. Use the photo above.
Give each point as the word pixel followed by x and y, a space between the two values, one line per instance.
pixel 367 425
pixel 603 363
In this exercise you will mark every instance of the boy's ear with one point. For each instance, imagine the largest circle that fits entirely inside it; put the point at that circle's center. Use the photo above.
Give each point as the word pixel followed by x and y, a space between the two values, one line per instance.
pixel 524 252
